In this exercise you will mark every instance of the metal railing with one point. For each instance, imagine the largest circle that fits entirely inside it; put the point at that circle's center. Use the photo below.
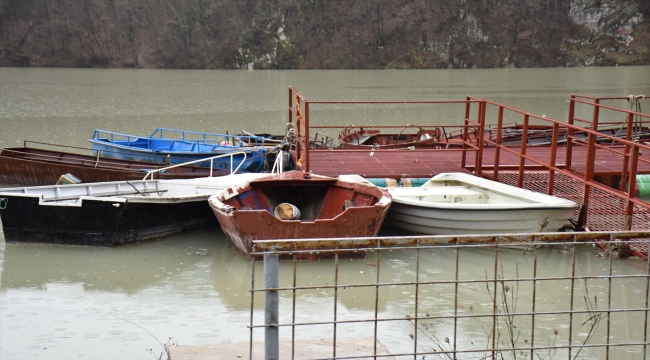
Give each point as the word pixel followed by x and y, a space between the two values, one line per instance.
pixel 299 117
pixel 625 151
pixel 516 296
pixel 484 131
pixel 233 170
pixel 208 138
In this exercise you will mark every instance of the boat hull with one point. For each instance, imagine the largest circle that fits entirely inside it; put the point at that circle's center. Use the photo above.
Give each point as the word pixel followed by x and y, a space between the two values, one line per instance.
pixel 105 222
pixel 366 139
pixel 254 160
pixel 433 221
pixel 463 204
pixel 29 166
pixel 110 213
pixel 243 228
pixel 330 209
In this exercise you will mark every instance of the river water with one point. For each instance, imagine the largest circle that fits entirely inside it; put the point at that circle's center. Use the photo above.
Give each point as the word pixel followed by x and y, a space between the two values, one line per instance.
pixel 93 303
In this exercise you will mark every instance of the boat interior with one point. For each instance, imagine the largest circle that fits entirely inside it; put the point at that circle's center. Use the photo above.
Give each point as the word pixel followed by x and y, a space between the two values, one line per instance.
pixel 111 191
pixel 322 199
pixel 163 144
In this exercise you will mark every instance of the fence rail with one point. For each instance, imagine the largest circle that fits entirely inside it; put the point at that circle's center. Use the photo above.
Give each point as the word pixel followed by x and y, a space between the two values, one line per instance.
pixel 521 296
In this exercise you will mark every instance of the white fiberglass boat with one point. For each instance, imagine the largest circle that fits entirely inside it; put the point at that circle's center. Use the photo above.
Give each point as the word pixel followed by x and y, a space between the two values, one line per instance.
pixel 458 203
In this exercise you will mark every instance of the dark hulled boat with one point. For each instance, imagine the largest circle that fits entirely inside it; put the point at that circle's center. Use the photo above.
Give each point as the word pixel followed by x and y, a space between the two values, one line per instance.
pixel 109 213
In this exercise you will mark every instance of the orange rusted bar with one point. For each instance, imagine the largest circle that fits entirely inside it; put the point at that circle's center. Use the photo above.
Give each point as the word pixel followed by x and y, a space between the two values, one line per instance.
pixel 307 141
pixel 522 159
pixel 626 152
pixel 551 174
pixel 569 135
pixel 497 149
pixel 481 133
pixel 463 161
pixel 629 208
pixel 591 155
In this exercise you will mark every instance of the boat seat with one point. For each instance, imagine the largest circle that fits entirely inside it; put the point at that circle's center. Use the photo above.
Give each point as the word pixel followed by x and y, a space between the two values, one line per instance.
pixel 450 194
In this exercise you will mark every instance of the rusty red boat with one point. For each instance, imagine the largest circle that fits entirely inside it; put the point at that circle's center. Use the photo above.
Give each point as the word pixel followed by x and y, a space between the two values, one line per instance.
pixel 37 166
pixel 353 137
pixel 539 135
pixel 298 205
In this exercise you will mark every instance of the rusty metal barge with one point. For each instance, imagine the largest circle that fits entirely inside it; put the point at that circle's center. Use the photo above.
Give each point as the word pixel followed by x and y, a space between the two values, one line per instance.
pixel 607 173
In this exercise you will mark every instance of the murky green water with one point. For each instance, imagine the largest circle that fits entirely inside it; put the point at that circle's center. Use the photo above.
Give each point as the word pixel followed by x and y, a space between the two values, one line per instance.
pixel 74 302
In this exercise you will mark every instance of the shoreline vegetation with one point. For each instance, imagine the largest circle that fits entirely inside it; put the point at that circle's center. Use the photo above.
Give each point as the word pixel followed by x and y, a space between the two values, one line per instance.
pixel 319 34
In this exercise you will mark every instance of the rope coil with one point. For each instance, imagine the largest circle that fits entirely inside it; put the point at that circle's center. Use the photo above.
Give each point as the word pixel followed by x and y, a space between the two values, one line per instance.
pixel 3 203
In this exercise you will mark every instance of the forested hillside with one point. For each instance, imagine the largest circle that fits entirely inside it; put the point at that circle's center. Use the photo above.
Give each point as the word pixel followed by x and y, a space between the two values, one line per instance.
pixel 324 34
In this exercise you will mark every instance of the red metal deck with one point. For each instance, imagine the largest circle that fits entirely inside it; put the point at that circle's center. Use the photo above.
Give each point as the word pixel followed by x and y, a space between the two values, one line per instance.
pixel 427 162
pixel 593 169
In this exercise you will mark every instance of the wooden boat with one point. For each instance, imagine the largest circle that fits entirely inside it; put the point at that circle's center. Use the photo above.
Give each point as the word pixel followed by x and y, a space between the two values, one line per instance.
pixel 298 205
pixel 352 137
pixel 109 213
pixel 540 135
pixel 35 166
pixel 458 203
pixel 189 146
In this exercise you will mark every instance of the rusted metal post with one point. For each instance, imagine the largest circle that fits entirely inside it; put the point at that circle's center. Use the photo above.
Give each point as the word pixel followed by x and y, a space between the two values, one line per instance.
pixel 591 158
pixel 569 133
pixel 307 141
pixel 629 205
pixel 271 307
pixel 463 160
pixel 626 152
pixel 478 159
pixel 551 172
pixel 522 159
pixel 497 148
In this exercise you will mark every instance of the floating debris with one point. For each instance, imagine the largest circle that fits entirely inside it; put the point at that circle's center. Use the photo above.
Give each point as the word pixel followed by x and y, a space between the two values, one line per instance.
pixel 203 253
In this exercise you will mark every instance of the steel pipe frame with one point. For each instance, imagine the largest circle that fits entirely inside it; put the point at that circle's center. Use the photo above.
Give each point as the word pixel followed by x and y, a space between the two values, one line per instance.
pixel 417 244
pixel 630 153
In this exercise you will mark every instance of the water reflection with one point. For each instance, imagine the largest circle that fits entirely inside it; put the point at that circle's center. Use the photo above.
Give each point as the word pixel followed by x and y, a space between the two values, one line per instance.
pixel 231 278
pixel 102 303
pixel 126 269
pixel 58 301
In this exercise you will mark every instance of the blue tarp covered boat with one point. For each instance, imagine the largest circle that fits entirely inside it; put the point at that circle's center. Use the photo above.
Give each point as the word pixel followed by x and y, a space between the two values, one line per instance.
pixel 178 146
